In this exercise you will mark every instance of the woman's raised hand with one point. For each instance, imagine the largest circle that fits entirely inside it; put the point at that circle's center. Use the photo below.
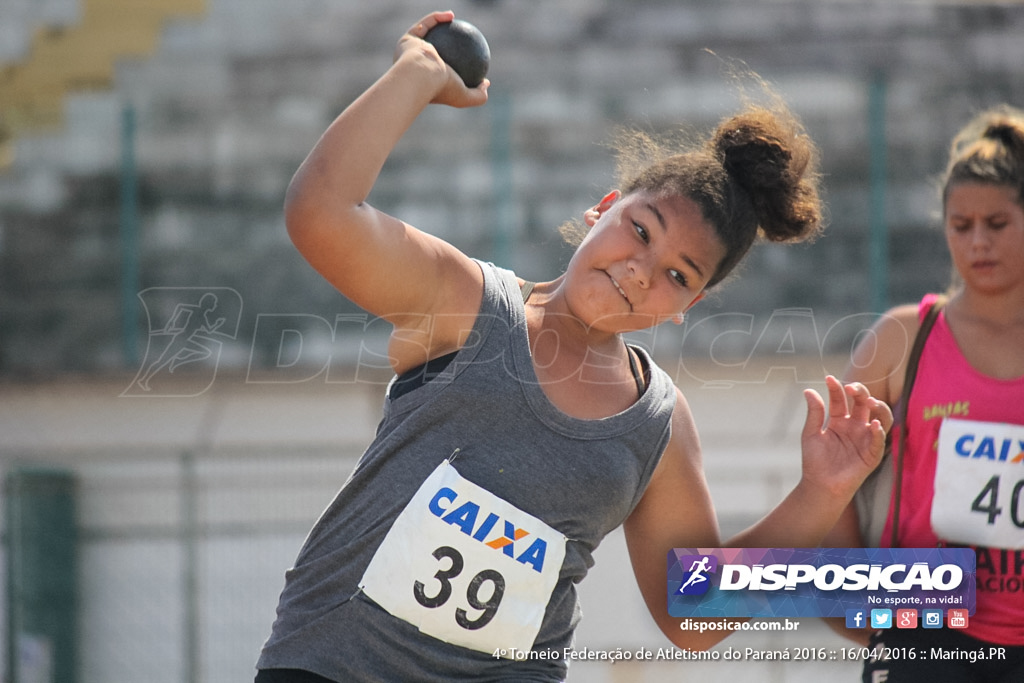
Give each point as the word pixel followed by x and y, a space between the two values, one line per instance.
pixel 840 450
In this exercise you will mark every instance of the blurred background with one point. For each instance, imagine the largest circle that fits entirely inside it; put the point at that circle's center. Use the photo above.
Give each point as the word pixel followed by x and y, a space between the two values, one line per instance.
pixel 180 394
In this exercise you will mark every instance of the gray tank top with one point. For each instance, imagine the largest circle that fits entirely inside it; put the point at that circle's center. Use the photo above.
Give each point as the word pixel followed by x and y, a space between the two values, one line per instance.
pixel 582 478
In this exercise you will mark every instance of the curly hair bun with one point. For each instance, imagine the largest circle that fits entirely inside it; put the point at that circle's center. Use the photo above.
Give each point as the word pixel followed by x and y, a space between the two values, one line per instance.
pixel 768 154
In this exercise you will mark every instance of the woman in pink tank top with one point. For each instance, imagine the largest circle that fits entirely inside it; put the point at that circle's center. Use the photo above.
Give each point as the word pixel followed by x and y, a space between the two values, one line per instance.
pixel 963 474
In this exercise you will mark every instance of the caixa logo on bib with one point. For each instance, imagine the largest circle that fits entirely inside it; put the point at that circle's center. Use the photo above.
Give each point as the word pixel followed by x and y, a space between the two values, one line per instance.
pixel 818 582
pixel 990 447
pixel 466 515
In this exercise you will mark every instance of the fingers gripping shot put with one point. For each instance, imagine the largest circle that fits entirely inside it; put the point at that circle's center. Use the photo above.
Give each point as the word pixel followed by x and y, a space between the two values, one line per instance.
pixel 520 428
pixel 463 48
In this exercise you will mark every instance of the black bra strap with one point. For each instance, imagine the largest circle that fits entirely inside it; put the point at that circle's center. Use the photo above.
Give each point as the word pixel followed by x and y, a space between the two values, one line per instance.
pixel 634 367
pixel 416 377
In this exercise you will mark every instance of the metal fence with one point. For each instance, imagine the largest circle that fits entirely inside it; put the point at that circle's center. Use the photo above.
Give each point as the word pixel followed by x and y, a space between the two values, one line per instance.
pixel 188 509
pixel 180 557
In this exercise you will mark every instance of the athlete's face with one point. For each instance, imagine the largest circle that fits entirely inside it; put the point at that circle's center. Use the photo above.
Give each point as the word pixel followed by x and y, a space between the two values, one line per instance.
pixel 646 260
pixel 985 231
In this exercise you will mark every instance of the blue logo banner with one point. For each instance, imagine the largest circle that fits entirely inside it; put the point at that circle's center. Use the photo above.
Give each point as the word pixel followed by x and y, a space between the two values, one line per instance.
pixel 818 582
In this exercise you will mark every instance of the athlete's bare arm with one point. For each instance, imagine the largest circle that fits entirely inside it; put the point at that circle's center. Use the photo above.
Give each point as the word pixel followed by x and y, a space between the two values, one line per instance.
pixel 676 510
pixel 428 289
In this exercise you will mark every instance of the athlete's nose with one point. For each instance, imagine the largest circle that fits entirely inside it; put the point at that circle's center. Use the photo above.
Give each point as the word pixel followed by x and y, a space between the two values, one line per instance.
pixel 979 236
pixel 640 271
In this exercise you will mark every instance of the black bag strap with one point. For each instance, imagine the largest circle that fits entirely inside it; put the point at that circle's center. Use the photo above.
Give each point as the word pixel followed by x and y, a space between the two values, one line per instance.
pixel 902 407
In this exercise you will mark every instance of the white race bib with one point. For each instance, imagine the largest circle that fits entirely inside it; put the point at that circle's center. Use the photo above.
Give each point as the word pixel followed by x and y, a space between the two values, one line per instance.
pixel 979 484
pixel 467 567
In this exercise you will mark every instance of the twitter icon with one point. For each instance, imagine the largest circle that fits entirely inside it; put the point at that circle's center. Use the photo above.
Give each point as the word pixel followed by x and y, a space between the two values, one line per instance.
pixel 881 618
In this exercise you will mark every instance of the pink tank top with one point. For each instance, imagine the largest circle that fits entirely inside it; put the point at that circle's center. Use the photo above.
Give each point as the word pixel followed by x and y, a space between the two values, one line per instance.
pixel 947 386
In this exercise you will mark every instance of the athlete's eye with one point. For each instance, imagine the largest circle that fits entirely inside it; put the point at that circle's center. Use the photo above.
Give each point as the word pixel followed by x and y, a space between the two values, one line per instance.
pixel 641 231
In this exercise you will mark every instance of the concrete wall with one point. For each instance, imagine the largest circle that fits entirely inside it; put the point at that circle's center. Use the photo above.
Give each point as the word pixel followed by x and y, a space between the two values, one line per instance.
pixel 229 105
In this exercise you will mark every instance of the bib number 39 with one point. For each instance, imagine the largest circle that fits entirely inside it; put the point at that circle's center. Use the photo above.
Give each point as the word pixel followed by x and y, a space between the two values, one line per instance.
pixel 488 577
pixel 979 484
pixel 466 566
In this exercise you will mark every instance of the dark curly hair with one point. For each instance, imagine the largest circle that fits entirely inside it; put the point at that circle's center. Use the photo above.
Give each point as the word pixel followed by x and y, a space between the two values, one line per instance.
pixel 754 176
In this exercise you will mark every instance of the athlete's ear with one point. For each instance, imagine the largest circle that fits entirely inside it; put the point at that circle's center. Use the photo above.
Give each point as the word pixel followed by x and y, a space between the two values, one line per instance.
pixel 694 302
pixel 593 214
pixel 678 318
pixel 607 201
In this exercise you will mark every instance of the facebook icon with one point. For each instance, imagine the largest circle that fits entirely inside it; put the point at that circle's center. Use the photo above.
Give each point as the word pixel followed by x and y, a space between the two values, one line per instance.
pixel 855 618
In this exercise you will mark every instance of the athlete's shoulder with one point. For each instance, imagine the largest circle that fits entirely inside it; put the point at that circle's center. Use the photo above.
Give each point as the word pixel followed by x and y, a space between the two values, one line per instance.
pixel 880 357
pixel 898 325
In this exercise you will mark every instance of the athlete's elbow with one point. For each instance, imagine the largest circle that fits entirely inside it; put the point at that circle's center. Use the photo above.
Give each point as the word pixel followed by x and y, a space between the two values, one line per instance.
pixel 310 212
pixel 298 224
pixel 301 205
pixel 305 219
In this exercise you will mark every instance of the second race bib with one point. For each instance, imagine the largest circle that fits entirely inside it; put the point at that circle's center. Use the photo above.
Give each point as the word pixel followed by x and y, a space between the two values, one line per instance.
pixel 979 484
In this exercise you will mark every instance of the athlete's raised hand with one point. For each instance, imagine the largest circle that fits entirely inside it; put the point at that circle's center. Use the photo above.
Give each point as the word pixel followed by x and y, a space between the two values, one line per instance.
pixel 840 450
pixel 453 92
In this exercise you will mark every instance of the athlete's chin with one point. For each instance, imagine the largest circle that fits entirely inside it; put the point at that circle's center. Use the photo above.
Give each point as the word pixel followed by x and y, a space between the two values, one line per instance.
pixel 991 284
pixel 619 323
